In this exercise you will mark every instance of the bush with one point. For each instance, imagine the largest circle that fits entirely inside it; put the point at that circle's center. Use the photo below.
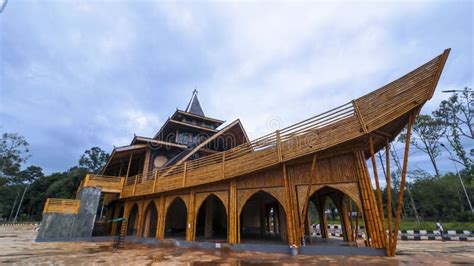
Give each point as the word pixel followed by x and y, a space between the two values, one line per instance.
pixel 466 216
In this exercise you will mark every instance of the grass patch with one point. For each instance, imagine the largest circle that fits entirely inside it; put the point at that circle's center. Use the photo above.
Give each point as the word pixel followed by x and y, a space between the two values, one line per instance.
pixel 411 224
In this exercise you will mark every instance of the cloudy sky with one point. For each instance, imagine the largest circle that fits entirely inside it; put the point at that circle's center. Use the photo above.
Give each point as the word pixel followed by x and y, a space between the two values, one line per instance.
pixel 77 74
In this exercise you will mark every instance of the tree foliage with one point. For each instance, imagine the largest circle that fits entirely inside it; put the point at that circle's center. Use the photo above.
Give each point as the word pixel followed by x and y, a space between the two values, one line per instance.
pixel 456 114
pixel 94 159
pixel 427 133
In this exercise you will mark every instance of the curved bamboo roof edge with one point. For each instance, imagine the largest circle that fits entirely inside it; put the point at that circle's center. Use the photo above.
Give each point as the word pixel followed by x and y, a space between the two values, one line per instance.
pixel 385 108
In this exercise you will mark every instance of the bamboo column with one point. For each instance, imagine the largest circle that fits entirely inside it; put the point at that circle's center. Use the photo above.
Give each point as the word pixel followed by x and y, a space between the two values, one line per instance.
pixel 160 231
pixel 141 214
pixel 289 209
pixel 191 213
pixel 411 120
pixel 389 195
pixel 233 215
pixel 308 194
pixel 370 207
pixel 379 193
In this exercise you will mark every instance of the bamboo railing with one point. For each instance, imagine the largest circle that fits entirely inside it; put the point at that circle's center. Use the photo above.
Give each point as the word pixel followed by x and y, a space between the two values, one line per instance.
pixel 111 184
pixel 325 130
pixel 64 206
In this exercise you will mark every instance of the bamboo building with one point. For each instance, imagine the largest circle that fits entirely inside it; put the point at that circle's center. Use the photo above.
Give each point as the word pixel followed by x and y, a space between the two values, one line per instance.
pixel 200 184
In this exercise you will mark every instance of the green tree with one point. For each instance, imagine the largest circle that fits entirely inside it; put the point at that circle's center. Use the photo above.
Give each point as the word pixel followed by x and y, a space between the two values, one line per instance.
pixel 456 114
pixel 13 153
pixel 94 159
pixel 30 174
pixel 427 133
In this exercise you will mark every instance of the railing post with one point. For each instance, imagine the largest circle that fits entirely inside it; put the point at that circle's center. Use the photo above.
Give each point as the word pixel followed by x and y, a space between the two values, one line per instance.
pixel 154 179
pixel 135 184
pixel 278 144
pixel 184 173
pixel 223 165
pixel 46 206
pixel 86 180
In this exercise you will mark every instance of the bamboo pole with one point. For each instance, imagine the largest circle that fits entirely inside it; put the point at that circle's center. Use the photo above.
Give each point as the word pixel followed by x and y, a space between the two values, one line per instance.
pixel 308 191
pixel 289 212
pixel 184 173
pixel 389 194
pixel 379 193
pixel 411 120
pixel 278 144
pixel 351 219
pixel 357 226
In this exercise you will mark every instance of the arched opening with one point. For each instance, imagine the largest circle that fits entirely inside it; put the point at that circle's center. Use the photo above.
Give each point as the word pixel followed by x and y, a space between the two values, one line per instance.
pixel 151 221
pixel 331 218
pixel 211 221
pixel 263 219
pixel 176 219
pixel 133 221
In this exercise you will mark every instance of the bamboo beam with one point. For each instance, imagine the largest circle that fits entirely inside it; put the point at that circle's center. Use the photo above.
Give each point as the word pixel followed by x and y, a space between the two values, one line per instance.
pixel 129 164
pixel 359 116
pixel 379 192
pixel 411 120
pixel 389 194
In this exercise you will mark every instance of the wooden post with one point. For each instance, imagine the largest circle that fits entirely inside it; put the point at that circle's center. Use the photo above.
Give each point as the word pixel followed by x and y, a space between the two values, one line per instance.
pixel 379 193
pixel 411 120
pixel 389 194
pixel 233 229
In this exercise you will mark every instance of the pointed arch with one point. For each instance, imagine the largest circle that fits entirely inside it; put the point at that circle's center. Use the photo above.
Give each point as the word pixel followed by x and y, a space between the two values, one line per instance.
pixel 211 219
pixel 133 218
pixel 262 218
pixel 150 221
pixel 176 218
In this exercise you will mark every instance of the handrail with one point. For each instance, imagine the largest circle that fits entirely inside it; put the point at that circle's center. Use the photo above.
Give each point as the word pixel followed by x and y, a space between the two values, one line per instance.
pixel 64 206
pixel 274 141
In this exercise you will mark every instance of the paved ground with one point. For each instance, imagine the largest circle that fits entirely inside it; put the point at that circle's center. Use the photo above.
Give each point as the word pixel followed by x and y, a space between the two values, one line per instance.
pixel 17 247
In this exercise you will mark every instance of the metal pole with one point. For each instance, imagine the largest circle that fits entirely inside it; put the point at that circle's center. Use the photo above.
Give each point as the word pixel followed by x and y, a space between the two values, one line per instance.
pixel 19 205
pixel 459 176
pixel 13 207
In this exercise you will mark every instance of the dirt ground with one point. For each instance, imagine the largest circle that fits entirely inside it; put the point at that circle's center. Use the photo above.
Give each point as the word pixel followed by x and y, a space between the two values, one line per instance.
pixel 18 248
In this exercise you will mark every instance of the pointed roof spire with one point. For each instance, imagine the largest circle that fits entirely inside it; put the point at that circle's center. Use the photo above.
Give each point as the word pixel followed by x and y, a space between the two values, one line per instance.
pixel 194 106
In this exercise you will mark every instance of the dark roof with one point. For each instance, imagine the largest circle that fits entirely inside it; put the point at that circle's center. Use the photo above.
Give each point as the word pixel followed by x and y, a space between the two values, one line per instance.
pixel 194 107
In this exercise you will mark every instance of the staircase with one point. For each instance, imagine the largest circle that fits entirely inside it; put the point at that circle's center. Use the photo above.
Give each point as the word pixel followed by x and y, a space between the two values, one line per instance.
pixel 119 238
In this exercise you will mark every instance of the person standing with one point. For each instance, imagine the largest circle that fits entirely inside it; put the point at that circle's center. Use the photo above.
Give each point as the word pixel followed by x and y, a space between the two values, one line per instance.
pixel 440 228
